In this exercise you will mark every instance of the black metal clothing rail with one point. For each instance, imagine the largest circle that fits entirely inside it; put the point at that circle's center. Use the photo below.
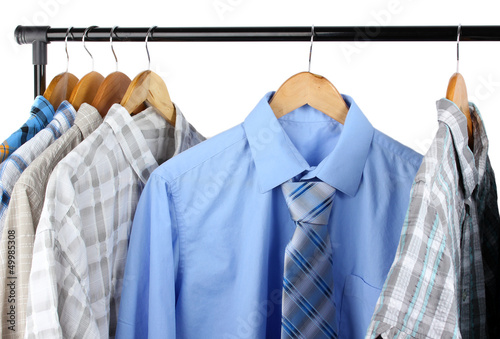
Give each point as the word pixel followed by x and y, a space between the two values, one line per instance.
pixel 40 36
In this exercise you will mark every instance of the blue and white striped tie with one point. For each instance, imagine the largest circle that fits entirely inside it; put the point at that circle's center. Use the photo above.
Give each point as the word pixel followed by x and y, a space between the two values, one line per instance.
pixel 308 308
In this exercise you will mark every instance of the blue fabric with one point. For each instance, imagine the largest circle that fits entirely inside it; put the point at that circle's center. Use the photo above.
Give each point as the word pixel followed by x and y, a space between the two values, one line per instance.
pixel 208 241
pixel 308 305
pixel 41 114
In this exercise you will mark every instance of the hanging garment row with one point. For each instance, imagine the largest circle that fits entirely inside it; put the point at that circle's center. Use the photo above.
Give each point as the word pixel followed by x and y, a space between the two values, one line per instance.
pixel 304 221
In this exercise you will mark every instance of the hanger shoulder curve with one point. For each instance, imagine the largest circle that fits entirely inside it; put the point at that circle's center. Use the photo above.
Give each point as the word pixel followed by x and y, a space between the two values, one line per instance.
pixel 149 87
pixel 309 88
pixel 457 92
pixel 111 91
pixel 86 89
pixel 60 88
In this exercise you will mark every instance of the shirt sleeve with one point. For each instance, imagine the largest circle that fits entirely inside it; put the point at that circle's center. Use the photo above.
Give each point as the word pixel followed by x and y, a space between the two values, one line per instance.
pixel 58 290
pixel 147 307
pixel 16 249
pixel 42 320
pixel 418 299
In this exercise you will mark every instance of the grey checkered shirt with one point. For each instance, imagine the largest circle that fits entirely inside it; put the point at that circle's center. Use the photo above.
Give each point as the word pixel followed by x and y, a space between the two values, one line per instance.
pixel 81 241
pixel 444 266
pixel 22 218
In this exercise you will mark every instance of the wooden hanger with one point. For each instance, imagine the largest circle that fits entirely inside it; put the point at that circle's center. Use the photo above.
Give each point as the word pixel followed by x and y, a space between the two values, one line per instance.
pixel 457 92
pixel 86 89
pixel 148 87
pixel 62 85
pixel 312 89
pixel 112 89
pixel 60 88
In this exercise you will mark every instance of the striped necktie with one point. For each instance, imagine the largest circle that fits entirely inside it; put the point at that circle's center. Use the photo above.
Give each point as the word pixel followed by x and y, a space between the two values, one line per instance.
pixel 308 308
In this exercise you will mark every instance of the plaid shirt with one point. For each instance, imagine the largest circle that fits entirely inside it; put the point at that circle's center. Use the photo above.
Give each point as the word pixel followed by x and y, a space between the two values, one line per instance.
pixel 22 218
pixel 447 261
pixel 41 113
pixel 81 241
pixel 17 162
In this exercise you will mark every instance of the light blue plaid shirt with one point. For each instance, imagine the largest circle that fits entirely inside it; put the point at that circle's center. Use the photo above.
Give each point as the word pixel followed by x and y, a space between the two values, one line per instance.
pixel 16 163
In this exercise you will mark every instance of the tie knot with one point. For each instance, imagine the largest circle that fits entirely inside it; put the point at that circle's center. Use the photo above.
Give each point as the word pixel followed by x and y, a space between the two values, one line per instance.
pixel 309 202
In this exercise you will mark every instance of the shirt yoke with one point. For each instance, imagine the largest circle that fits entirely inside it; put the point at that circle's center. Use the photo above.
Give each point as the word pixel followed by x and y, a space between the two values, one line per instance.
pixel 201 153
pixel 396 148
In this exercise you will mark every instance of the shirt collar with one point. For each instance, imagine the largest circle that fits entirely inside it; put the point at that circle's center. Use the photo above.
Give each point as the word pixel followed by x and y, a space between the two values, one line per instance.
pixel 278 160
pixel 452 116
pixel 42 110
pixel 87 119
pixel 481 143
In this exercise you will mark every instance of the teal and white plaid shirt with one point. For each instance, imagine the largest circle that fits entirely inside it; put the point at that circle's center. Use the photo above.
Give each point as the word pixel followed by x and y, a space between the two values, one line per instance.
pixel 444 282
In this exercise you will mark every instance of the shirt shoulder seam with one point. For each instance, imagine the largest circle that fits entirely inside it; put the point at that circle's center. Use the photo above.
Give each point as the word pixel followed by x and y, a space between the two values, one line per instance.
pixel 173 190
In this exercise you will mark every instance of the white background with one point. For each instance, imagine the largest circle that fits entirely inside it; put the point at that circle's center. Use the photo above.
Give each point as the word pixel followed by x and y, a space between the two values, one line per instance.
pixel 217 84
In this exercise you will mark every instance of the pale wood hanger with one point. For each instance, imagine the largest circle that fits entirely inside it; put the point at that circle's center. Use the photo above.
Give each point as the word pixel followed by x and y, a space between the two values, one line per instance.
pixel 61 87
pixel 86 89
pixel 457 92
pixel 148 87
pixel 113 88
pixel 312 89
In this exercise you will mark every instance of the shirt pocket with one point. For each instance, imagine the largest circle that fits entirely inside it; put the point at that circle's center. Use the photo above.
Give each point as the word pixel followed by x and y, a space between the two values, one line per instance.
pixel 358 304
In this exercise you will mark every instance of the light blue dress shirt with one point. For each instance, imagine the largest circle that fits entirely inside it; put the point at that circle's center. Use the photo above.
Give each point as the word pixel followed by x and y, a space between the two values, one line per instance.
pixel 207 245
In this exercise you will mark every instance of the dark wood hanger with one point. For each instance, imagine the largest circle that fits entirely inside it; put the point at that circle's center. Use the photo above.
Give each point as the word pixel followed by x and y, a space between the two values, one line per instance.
pixel 111 91
pixel 86 89
pixel 113 88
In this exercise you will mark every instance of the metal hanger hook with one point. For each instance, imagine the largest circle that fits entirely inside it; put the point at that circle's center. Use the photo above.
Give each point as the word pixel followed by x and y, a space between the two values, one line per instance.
pixel 311 48
pixel 111 42
pixel 83 40
pixel 150 32
pixel 66 46
pixel 459 29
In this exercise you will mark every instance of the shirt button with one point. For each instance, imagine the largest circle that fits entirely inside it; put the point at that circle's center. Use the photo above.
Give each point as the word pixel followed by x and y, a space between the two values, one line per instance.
pixel 464 295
